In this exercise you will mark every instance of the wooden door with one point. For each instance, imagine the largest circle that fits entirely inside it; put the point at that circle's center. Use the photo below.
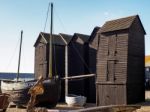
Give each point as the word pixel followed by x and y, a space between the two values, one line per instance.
pixel 112 41
pixel 42 61
pixel 110 76
pixel 110 70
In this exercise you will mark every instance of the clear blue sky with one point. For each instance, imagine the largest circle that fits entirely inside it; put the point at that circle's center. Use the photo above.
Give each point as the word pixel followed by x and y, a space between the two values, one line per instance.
pixel 69 16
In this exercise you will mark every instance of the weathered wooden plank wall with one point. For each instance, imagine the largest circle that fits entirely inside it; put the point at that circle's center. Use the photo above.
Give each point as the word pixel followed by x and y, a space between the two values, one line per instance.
pixel 78 62
pixel 41 60
pixel 120 62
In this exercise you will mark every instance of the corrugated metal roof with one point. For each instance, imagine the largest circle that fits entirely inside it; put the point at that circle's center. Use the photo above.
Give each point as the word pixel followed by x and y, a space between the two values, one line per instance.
pixel 84 37
pixel 147 61
pixel 118 24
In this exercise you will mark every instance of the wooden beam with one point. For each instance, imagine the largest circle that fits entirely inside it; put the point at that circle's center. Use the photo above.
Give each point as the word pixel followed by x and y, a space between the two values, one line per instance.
pixel 110 108
pixel 80 76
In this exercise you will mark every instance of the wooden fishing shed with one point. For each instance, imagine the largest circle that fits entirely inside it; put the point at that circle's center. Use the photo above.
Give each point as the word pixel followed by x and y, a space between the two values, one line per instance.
pixel 42 55
pixel 77 63
pixel 80 62
pixel 77 51
pixel 91 62
pixel 120 62
pixel 93 47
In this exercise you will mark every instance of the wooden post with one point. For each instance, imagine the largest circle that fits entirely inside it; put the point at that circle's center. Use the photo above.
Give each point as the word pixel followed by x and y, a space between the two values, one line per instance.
pixel 19 56
pixel 50 44
pixel 66 70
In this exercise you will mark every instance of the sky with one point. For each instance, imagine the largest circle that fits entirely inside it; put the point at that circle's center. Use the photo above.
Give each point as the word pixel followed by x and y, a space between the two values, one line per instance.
pixel 70 16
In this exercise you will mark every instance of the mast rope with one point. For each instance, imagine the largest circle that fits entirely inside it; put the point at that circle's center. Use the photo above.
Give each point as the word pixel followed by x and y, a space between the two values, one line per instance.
pixel 24 61
pixel 53 45
pixel 55 65
pixel 12 56
pixel 82 59
pixel 73 44
pixel 47 14
pixel 63 26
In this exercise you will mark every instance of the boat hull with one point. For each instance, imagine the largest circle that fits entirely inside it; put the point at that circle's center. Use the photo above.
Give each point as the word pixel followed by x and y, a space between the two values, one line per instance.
pixel 20 96
pixel 18 91
pixel 52 91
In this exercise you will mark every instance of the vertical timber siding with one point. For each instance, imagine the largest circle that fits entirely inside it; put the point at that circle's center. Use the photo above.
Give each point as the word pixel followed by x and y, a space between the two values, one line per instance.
pixel 136 61
pixel 41 60
pixel 111 94
pixel 78 62
pixel 76 65
pixel 120 62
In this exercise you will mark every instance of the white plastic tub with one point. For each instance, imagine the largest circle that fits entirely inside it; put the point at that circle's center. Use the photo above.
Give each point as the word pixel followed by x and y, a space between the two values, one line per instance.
pixel 75 100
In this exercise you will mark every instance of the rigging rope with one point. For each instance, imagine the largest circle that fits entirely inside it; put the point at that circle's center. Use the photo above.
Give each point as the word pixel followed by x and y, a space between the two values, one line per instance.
pixel 24 61
pixel 55 65
pixel 82 59
pixel 73 44
pixel 46 17
pixel 12 56
pixel 53 43
pixel 63 26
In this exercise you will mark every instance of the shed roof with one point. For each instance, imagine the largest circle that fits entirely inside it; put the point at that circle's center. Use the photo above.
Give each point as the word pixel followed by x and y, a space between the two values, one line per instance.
pixel 83 37
pixel 66 37
pixel 93 34
pixel 147 61
pixel 57 40
pixel 119 24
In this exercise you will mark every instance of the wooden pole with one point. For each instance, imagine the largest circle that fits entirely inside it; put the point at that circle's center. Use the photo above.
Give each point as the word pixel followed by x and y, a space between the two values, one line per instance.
pixel 19 56
pixel 66 70
pixel 80 76
pixel 50 43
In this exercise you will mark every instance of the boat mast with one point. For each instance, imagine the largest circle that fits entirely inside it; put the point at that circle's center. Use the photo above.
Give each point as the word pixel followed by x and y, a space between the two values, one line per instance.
pixel 19 56
pixel 50 43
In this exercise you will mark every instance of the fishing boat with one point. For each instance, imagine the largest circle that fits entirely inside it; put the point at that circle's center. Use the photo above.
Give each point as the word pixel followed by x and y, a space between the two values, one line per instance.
pixel 17 89
pixel 52 84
